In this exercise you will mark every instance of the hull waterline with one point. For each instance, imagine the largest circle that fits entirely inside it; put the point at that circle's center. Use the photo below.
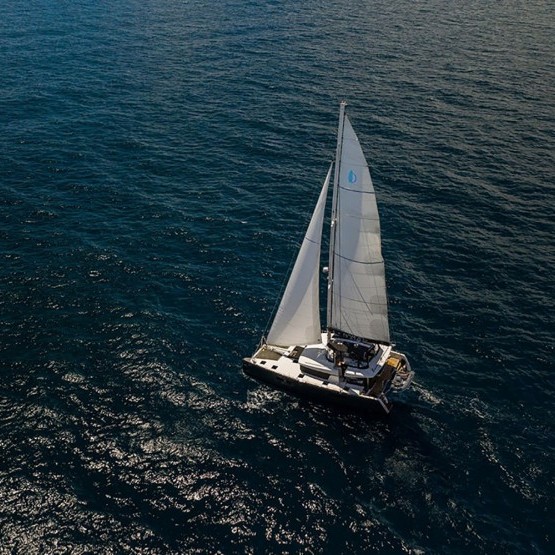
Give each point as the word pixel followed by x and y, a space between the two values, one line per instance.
pixel 319 393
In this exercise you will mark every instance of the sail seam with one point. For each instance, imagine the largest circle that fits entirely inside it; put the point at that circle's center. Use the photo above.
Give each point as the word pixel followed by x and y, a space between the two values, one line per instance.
pixel 366 303
pixel 312 241
pixel 357 261
pixel 357 191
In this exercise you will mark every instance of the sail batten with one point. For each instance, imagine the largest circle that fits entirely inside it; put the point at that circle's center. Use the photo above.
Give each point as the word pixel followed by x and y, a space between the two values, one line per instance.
pixel 357 261
pixel 360 192
pixel 297 319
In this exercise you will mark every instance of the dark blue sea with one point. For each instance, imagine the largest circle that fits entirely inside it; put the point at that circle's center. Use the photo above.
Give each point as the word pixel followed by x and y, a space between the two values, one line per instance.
pixel 159 161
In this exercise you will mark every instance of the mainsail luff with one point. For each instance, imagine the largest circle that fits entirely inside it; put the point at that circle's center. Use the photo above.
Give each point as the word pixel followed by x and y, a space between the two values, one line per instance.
pixel 333 221
pixel 297 319
pixel 357 303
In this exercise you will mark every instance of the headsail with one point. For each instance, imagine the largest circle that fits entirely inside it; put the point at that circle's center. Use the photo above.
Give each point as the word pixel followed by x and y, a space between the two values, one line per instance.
pixel 357 302
pixel 297 320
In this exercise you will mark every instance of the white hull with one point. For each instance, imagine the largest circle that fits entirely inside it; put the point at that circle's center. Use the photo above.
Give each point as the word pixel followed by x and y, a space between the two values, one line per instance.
pixel 307 370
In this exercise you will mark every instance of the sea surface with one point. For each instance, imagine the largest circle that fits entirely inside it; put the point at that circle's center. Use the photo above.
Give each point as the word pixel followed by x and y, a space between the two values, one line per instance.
pixel 159 161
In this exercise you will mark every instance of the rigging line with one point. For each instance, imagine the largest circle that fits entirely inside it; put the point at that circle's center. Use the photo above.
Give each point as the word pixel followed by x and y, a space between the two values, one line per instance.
pixel 362 297
pixel 350 330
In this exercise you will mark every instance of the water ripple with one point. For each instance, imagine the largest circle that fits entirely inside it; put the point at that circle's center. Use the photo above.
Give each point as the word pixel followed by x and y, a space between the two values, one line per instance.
pixel 160 162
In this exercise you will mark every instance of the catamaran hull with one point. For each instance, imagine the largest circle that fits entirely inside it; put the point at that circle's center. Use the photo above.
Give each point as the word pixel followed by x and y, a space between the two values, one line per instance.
pixel 317 393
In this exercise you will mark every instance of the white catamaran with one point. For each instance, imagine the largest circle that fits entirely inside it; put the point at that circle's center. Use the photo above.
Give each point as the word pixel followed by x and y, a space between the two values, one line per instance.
pixel 351 362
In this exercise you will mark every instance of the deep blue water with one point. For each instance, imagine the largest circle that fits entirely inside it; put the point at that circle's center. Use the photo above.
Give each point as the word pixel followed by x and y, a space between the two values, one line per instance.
pixel 158 163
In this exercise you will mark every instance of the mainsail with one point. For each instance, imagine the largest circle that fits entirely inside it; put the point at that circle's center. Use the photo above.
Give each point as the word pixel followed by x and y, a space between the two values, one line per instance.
pixel 357 300
pixel 297 320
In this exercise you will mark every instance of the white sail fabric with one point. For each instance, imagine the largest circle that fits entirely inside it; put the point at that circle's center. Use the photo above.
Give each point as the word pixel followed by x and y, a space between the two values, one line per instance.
pixel 297 321
pixel 358 303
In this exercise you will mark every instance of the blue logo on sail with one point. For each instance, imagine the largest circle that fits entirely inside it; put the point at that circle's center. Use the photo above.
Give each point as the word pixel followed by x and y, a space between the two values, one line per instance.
pixel 352 177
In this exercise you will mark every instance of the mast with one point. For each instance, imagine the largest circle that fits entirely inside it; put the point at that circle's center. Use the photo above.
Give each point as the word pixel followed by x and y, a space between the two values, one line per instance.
pixel 333 231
